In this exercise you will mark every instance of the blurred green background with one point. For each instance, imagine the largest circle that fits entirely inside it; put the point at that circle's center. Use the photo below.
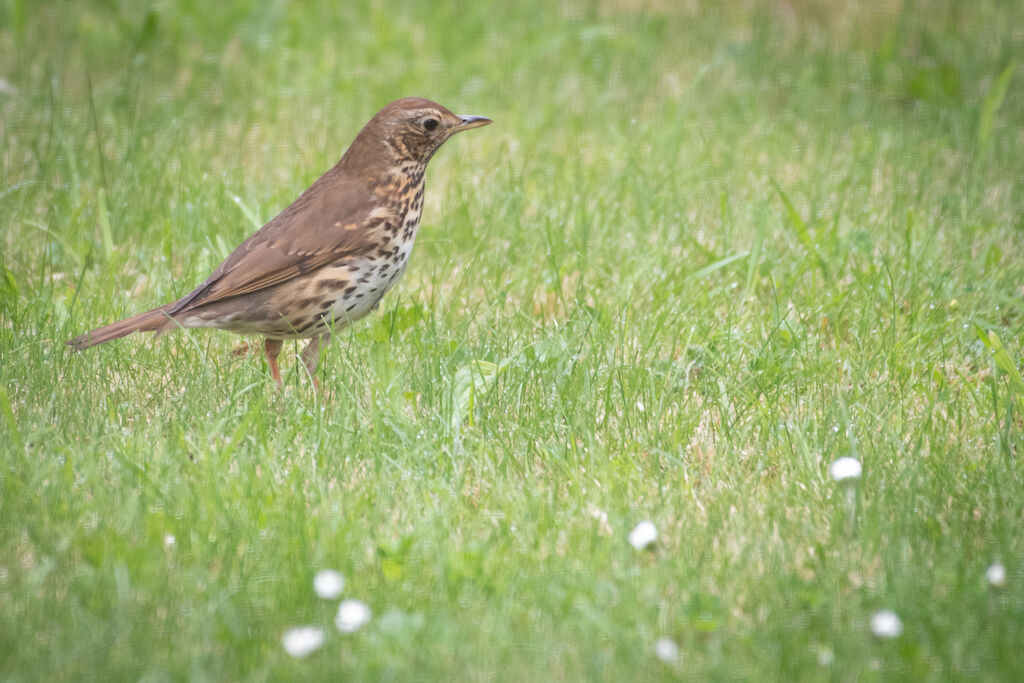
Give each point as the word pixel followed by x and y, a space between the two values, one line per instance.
pixel 704 250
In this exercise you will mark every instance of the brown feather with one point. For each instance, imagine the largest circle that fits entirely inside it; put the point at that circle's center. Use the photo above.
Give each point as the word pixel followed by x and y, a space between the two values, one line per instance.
pixel 150 321
pixel 345 195
pixel 300 239
pixel 332 253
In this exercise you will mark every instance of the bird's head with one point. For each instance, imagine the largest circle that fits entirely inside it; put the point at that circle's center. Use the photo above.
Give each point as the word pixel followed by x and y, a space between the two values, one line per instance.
pixel 413 128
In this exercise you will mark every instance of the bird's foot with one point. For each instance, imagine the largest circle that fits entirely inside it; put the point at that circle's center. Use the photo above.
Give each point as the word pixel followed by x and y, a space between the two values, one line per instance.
pixel 241 349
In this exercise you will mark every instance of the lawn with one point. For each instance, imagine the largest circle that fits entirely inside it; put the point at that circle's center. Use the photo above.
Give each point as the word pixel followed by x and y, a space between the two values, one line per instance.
pixel 704 251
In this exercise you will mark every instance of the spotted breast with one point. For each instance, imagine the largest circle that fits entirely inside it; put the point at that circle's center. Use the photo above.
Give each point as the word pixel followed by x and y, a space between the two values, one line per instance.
pixel 327 258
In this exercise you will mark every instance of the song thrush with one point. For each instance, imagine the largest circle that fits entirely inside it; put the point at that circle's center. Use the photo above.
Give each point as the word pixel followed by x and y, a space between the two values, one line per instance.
pixel 327 259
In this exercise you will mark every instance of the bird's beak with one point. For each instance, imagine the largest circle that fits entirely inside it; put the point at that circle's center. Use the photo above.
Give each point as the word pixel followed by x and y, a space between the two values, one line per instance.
pixel 471 122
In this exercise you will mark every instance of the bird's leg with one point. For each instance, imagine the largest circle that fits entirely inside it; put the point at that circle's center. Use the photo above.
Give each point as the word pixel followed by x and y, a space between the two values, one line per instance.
pixel 242 348
pixel 311 355
pixel 272 347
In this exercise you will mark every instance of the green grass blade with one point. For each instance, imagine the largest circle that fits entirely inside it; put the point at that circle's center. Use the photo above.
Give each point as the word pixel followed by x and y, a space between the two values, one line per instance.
pixel 802 233
pixel 718 265
pixel 12 423
pixel 471 381
pixel 1001 356
pixel 991 105
pixel 249 214
pixel 106 233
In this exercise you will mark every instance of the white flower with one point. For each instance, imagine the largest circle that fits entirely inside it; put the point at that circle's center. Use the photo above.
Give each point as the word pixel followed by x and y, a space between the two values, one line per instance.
pixel 885 624
pixel 603 527
pixel 643 535
pixel 169 540
pixel 302 640
pixel 666 649
pixel 352 615
pixel 328 583
pixel 845 468
pixel 996 575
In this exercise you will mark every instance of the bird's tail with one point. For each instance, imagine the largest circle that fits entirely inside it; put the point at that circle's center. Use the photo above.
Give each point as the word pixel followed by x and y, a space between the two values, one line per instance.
pixel 150 321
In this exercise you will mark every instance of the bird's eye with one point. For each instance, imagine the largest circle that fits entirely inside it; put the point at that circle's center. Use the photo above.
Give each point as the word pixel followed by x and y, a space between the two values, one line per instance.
pixel 430 124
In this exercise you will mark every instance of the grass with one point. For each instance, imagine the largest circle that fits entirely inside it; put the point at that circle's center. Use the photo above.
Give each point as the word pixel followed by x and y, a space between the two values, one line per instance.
pixel 703 252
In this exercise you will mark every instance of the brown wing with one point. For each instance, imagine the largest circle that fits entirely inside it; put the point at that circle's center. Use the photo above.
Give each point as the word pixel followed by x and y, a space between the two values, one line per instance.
pixel 336 217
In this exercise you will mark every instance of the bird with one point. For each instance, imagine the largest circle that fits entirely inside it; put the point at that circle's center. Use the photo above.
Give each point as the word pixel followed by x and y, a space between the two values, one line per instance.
pixel 329 257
